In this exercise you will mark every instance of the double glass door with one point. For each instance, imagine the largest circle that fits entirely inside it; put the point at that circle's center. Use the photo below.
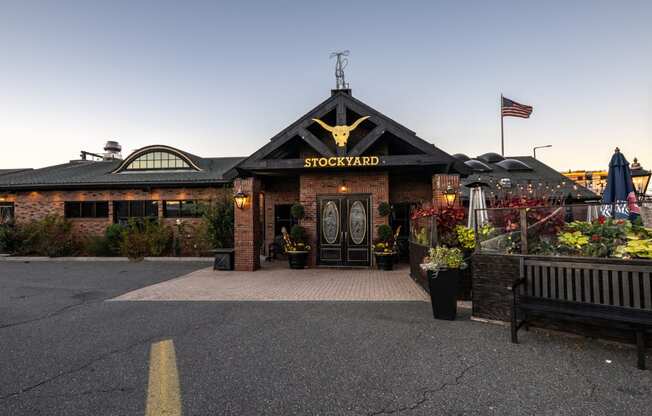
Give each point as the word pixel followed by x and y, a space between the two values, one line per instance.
pixel 344 228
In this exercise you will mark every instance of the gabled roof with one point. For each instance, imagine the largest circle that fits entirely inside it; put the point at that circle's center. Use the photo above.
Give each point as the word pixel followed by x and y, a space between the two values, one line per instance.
pixel 79 174
pixel 539 173
pixel 422 153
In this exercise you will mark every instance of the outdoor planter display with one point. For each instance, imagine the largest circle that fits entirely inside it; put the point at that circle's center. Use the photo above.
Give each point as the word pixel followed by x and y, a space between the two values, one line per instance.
pixel 294 243
pixel 384 248
pixel 297 259
pixel 385 261
pixel 444 267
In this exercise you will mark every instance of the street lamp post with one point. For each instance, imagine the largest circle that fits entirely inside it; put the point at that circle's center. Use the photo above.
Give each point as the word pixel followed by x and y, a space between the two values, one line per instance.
pixel 534 149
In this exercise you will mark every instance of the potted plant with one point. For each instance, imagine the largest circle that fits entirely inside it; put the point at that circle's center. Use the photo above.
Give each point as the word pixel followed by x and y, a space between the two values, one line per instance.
pixel 384 249
pixel 443 265
pixel 295 247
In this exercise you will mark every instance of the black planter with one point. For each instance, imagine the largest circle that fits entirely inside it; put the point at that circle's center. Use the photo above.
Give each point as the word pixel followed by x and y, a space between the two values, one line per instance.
pixel 297 259
pixel 443 293
pixel 385 261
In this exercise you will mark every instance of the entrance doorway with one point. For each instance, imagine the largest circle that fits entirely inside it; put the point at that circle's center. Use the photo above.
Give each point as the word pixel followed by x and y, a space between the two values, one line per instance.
pixel 344 229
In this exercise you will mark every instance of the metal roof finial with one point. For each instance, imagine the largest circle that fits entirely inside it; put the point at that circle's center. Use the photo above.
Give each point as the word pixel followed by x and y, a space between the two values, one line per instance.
pixel 342 62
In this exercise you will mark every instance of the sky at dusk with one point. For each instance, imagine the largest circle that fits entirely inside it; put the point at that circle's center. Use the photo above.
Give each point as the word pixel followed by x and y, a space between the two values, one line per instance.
pixel 220 78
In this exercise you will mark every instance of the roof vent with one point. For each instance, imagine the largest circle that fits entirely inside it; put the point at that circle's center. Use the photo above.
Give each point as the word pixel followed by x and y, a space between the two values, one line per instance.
pixel 513 165
pixel 477 166
pixel 490 157
pixel 112 150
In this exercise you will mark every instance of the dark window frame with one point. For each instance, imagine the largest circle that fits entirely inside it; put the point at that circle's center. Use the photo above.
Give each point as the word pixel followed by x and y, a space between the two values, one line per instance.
pixel 180 213
pixel 7 207
pixel 132 208
pixel 80 209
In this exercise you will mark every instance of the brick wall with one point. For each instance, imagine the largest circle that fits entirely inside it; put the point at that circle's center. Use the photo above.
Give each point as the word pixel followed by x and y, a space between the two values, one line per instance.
pixel 30 206
pixel 410 188
pixel 313 184
pixel 247 233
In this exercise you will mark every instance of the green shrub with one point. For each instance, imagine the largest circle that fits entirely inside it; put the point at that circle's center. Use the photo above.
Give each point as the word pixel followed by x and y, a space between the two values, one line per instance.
pixel 96 246
pixel 384 209
pixel 297 211
pixel 218 223
pixel 8 238
pixel 145 238
pixel 298 234
pixel 51 236
pixel 384 232
pixel 113 237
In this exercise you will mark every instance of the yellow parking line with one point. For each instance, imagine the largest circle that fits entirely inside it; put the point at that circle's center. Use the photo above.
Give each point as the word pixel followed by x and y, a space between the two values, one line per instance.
pixel 163 392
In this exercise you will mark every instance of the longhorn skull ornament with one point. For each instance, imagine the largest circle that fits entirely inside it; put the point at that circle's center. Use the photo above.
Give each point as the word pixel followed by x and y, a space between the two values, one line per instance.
pixel 341 133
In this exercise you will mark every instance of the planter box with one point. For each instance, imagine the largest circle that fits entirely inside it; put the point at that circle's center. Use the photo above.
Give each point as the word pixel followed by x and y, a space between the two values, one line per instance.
pixel 443 293
pixel 297 259
pixel 385 261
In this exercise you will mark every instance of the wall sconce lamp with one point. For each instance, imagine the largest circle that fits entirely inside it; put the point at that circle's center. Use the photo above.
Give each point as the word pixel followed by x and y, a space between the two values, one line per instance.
pixel 342 187
pixel 240 199
pixel 450 195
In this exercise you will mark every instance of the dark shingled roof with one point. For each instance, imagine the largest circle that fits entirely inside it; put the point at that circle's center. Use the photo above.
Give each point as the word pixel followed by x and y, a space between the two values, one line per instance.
pixel 97 174
pixel 540 173
pixel 10 171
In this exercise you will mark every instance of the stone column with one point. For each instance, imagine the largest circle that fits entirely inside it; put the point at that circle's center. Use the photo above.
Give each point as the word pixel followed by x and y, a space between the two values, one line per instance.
pixel 440 182
pixel 247 226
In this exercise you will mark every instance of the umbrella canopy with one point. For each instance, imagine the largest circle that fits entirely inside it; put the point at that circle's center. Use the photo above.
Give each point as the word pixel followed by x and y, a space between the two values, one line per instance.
pixel 477 208
pixel 619 186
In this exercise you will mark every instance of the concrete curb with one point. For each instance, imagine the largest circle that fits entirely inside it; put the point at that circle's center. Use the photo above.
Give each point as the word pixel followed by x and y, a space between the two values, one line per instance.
pixel 27 259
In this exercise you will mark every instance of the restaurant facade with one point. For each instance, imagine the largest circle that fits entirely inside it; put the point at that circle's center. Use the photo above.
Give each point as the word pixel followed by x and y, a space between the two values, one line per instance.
pixel 340 161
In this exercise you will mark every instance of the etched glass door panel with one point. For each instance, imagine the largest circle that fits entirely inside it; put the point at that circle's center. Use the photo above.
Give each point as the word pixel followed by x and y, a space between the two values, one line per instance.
pixel 357 222
pixel 330 223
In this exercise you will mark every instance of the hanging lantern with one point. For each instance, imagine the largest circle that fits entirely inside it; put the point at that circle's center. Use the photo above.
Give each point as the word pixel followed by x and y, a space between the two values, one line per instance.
pixel 240 199
pixel 640 177
pixel 450 195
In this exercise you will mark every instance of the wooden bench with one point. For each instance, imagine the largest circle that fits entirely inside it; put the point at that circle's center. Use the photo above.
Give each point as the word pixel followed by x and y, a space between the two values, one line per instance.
pixel 596 294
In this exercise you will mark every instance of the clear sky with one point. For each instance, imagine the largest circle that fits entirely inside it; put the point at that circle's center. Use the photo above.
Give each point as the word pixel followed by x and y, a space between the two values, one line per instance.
pixel 221 78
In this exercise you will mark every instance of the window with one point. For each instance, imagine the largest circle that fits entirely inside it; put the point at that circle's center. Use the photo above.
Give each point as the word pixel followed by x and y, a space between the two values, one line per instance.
pixel 86 209
pixel 157 160
pixel 182 209
pixel 124 210
pixel 6 212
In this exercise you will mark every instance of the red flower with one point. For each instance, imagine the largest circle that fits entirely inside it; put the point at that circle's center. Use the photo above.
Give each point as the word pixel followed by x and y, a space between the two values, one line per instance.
pixel 601 219
pixel 595 237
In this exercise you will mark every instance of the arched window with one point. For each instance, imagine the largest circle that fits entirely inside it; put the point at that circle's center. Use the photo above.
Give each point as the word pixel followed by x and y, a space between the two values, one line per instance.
pixel 157 160
pixel 157 157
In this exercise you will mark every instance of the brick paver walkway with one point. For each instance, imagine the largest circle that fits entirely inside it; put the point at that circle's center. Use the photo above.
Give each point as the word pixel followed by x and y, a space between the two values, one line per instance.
pixel 276 282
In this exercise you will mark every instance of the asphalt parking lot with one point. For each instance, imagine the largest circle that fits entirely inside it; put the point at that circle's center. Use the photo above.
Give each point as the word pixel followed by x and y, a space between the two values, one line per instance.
pixel 64 350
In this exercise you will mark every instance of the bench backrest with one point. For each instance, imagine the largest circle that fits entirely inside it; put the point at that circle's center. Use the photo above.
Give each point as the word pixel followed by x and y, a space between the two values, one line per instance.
pixel 628 286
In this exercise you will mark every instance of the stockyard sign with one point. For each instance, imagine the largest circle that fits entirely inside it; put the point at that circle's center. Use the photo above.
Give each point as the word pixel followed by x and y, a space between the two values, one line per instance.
pixel 340 161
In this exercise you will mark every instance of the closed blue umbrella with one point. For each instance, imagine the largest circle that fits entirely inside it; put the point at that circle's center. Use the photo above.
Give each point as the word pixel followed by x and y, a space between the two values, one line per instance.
pixel 619 186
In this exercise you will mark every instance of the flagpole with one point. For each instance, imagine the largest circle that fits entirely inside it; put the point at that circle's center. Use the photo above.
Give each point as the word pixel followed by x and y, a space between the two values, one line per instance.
pixel 502 133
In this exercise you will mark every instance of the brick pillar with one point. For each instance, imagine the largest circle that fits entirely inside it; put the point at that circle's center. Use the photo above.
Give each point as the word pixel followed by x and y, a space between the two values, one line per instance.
pixel 440 182
pixel 247 226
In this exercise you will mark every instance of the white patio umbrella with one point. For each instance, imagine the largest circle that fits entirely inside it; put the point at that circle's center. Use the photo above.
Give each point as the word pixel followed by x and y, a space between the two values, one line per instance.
pixel 477 207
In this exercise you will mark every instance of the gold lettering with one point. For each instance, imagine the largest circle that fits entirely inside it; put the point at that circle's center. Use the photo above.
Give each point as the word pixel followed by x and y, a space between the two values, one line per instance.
pixel 356 161
pixel 374 160
pixel 306 163
pixel 332 161
pixel 349 159
pixel 365 160
pixel 322 162
pixel 340 161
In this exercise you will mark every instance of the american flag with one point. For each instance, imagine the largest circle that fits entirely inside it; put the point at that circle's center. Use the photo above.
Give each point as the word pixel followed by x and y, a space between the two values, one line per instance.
pixel 511 108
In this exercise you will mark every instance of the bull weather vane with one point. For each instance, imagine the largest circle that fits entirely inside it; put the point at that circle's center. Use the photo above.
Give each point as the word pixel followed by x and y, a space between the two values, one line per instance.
pixel 342 62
